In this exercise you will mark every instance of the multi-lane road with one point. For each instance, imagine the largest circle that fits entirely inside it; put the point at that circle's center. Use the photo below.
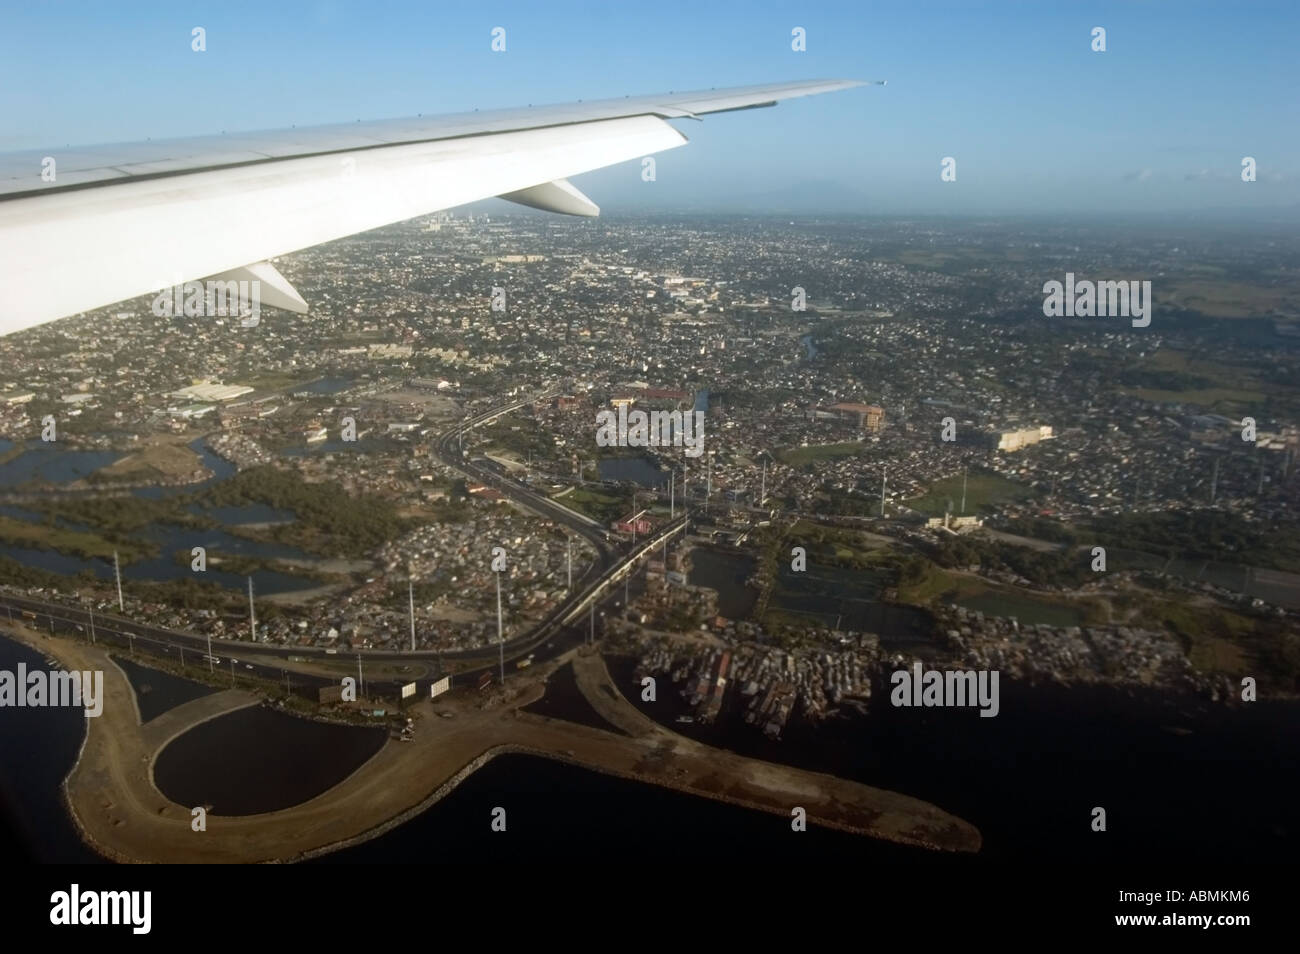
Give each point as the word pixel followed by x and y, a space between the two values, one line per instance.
pixel 558 631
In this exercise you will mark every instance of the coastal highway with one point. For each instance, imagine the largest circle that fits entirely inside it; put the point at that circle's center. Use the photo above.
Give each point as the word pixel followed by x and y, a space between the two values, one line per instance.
pixel 550 636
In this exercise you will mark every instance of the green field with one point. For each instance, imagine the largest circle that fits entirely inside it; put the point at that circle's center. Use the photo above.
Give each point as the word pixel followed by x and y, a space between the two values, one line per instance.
pixel 1172 376
pixel 798 456
pixel 43 536
pixel 936 585
pixel 1222 400
pixel 836 546
pixel 1220 639
pixel 1026 609
pixel 982 492
pixel 1225 298
pixel 601 506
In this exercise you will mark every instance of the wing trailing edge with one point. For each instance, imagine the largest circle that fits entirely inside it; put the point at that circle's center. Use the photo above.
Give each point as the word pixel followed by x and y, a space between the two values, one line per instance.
pixel 118 222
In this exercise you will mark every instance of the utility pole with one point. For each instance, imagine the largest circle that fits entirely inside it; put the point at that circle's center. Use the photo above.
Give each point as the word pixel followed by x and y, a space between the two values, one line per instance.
pixel 361 682
pixel 1214 482
pixel 884 478
pixel 708 484
pixel 763 493
pixel 963 490
pixel 252 616
pixel 92 621
pixel 672 495
pixel 593 621
pixel 117 574
pixel 568 553
pixel 410 598
pixel 209 652
pixel 232 671
pixel 501 638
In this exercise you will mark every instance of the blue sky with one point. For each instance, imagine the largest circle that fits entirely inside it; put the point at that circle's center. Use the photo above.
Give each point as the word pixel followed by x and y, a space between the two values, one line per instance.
pixel 1035 119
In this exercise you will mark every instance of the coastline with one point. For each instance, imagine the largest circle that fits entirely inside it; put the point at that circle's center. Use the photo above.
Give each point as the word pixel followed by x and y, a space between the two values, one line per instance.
pixel 123 817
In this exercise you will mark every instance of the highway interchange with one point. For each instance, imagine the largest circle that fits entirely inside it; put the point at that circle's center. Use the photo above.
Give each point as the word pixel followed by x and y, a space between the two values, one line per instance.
pixel 560 630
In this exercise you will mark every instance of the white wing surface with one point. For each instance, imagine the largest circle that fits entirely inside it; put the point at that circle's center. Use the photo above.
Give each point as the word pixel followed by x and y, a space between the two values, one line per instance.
pixel 116 222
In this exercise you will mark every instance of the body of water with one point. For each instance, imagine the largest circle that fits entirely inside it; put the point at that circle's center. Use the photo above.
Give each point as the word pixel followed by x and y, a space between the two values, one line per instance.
pixel 725 571
pixel 234 516
pixel 326 385
pixel 833 597
pixel 1180 779
pixel 847 599
pixel 37 750
pixel 260 759
pixel 169 538
pixel 51 462
pixel 156 691
pixel 639 470
pixel 1162 765
pixel 164 566
pixel 559 810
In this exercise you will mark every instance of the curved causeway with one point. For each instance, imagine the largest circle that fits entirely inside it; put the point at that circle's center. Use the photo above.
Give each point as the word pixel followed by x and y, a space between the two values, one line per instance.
pixel 123 815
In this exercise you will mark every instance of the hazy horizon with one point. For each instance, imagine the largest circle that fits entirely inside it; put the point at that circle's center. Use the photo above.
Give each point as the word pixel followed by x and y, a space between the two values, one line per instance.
pixel 1035 119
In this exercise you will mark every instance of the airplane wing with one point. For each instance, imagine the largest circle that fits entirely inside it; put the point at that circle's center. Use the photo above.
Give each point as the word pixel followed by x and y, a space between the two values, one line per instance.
pixel 84 227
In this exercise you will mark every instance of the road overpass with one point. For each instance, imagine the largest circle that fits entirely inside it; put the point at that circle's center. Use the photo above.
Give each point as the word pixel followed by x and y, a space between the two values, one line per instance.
pixel 591 586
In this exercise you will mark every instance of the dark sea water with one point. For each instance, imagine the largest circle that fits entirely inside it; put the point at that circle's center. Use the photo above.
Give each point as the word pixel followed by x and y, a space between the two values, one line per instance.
pixel 1181 779
pixel 156 691
pixel 556 813
pixel 37 750
pixel 260 759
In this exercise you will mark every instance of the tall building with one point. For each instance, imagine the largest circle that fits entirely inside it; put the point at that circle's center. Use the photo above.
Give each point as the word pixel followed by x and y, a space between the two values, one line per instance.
pixel 1016 439
pixel 868 417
